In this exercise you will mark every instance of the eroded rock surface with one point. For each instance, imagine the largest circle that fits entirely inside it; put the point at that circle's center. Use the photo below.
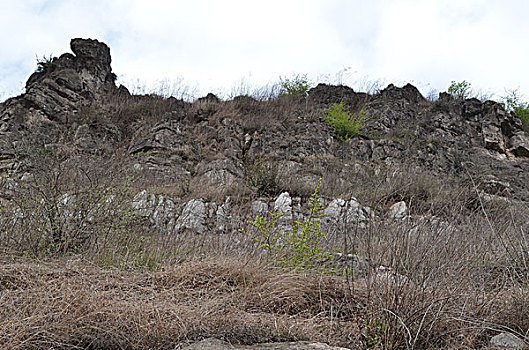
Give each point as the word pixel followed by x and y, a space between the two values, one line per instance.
pixel 214 146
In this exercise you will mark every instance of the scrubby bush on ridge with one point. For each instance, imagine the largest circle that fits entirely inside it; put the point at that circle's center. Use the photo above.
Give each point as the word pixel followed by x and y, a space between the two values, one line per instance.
pixel 297 86
pixel 512 102
pixel 46 64
pixel 460 90
pixel 346 124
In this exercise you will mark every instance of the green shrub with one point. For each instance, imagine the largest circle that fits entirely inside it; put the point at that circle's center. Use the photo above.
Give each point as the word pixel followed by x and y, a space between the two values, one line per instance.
pixel 512 102
pixel 46 64
pixel 460 90
pixel 297 86
pixel 297 248
pixel 346 124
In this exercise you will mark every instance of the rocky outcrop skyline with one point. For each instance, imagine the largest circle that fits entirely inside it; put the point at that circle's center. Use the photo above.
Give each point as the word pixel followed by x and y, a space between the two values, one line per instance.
pixel 74 105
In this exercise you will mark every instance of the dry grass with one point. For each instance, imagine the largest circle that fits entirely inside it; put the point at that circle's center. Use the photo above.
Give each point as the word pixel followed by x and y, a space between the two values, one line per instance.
pixel 449 285
pixel 73 304
pixel 452 280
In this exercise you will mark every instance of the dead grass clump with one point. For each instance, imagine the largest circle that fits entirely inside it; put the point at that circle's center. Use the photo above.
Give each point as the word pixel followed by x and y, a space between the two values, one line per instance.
pixel 448 281
pixel 130 112
pixel 258 116
pixel 83 306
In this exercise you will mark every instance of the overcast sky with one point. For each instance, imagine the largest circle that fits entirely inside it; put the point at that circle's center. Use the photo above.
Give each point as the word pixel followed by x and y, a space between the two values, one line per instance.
pixel 213 45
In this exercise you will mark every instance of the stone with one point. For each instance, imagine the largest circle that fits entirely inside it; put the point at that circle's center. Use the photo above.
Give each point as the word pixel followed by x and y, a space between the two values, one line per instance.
pixel 89 48
pixel 356 215
pixel 164 214
pixel 409 93
pixel 333 212
pixel 334 209
pixel 160 210
pixel 209 344
pixel 508 341
pixel 398 210
pixel 520 144
pixel 283 203
pixel 349 263
pixel 165 135
pixel 493 138
pixel 143 203
pixel 223 218
pixel 492 185
pixel 193 217
pixel 84 140
pixel 259 208
pixel 219 173
pixel 187 145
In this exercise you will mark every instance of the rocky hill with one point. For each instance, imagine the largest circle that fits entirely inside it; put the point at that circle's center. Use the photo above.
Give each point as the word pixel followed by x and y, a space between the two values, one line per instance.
pixel 210 150
pixel 427 205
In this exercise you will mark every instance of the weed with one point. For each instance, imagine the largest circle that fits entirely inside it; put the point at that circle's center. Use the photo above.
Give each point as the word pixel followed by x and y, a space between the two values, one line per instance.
pixel 346 124
pixel 297 86
pixel 374 333
pixel 297 248
pixel 460 90
pixel 261 174
pixel 512 102
pixel 46 64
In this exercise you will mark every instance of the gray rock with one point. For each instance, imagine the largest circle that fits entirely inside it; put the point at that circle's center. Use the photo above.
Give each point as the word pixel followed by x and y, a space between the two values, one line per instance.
pixel 333 212
pixel 283 203
pixel 520 144
pixel 493 138
pixel 161 211
pixel 398 210
pixel 143 203
pixel 210 344
pixel 164 136
pixel 492 185
pixel 83 139
pixel 349 263
pixel 356 215
pixel 222 215
pixel 508 341
pixel 259 208
pixel 220 173
pixel 164 214
pixel 301 345
pixel 193 217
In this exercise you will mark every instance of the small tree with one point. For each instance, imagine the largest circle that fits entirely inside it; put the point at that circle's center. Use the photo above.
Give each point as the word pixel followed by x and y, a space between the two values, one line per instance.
pixel 512 102
pixel 297 248
pixel 346 124
pixel 460 90
pixel 297 86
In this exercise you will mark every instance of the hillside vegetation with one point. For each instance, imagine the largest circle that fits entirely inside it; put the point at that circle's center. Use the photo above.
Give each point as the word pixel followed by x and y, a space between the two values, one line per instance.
pixel 299 216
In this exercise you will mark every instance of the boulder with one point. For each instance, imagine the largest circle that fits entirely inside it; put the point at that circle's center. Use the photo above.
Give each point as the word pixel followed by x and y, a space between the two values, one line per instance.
pixel 219 173
pixel 356 216
pixel 399 210
pixel 333 212
pixel 283 204
pixel 259 208
pixel 508 341
pixel 193 217
pixel 519 143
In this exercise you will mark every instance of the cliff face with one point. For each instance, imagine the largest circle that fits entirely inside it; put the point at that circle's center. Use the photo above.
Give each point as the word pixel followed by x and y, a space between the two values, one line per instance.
pixel 257 147
pixel 54 97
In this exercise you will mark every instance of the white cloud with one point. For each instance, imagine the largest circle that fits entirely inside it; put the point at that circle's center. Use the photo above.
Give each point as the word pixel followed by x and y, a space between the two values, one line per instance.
pixel 216 43
pixel 440 41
